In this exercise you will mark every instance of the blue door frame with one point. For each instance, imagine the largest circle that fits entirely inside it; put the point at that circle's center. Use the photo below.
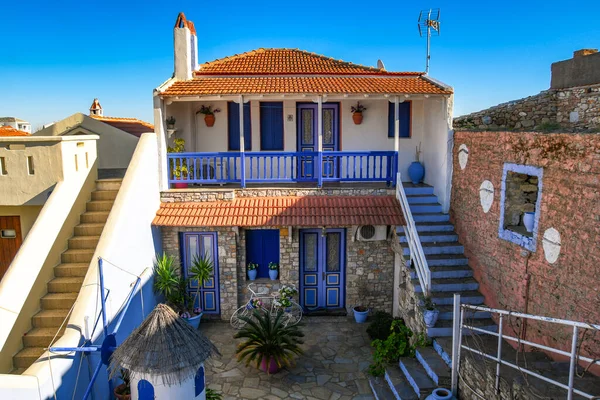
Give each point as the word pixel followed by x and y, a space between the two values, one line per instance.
pixel 308 139
pixel 196 243
pixel 322 269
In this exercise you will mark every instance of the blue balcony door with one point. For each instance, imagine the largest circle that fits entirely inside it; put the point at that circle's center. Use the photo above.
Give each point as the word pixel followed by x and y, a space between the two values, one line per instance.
pixel 308 139
pixel 322 269
pixel 195 244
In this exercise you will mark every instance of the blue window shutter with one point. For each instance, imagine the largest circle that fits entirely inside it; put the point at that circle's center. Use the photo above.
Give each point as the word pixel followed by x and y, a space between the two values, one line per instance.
pixel 262 247
pixel 271 126
pixel 405 116
pixel 233 126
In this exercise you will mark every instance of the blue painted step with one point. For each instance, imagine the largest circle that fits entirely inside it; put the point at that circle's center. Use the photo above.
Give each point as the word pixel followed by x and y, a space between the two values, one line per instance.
pixel 446 260
pixel 432 237
pixel 443 346
pixel 434 366
pixel 430 227
pixel 411 189
pixel 447 298
pixel 381 390
pixel 416 376
pixel 422 199
pixel 437 248
pixel 446 272
pixel 430 217
pixel 449 285
pixel 447 312
pixel 425 208
pixel 398 384
pixel 444 327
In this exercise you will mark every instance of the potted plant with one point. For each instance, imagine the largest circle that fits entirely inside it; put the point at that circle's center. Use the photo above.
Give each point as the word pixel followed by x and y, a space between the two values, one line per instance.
pixel 200 271
pixel 209 114
pixel 416 170
pixel 357 111
pixel 273 270
pixel 171 122
pixel 430 313
pixel 252 270
pixel 284 299
pixel 178 166
pixel 170 284
pixel 361 311
pixel 268 342
pixel 123 391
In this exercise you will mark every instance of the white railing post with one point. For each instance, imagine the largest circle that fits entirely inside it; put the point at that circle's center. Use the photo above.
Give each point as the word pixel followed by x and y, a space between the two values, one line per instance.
pixel 573 362
pixel 499 358
pixel 456 334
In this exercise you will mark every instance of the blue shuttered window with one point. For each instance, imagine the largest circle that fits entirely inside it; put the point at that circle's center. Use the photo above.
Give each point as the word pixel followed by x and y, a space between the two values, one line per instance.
pixel 404 119
pixel 262 248
pixel 271 126
pixel 233 126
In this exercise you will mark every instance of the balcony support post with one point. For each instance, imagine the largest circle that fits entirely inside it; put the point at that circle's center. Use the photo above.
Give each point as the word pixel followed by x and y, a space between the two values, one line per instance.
pixel 319 169
pixel 397 131
pixel 242 144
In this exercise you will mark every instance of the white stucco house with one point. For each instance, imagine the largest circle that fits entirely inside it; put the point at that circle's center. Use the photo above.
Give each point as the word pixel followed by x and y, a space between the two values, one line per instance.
pixel 16 123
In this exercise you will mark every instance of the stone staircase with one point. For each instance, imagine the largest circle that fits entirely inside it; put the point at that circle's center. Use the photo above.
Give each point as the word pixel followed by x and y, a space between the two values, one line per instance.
pixel 450 271
pixel 62 291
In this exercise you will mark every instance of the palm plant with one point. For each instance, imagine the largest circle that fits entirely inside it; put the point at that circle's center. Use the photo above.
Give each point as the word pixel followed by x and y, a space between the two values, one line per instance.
pixel 201 270
pixel 268 340
pixel 168 281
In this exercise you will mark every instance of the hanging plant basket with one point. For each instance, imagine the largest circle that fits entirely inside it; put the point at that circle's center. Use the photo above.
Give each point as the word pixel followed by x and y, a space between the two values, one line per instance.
pixel 209 119
pixel 357 117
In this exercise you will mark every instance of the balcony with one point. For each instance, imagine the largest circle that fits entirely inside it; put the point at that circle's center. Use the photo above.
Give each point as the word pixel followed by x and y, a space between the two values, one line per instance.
pixel 242 168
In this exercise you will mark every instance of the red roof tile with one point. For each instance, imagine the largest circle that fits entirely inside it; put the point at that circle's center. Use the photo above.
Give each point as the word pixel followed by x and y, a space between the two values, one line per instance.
pixel 307 211
pixel 130 125
pixel 8 130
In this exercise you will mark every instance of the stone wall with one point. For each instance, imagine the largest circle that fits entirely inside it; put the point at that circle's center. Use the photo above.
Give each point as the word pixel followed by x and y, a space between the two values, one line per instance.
pixel 571 109
pixel 560 277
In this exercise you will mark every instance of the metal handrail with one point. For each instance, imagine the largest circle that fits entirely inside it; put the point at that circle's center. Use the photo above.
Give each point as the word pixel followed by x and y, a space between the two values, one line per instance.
pixel 459 311
pixel 417 255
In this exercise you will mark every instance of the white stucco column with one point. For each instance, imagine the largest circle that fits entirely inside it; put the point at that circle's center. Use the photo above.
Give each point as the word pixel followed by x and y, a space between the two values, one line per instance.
pixel 319 168
pixel 242 143
pixel 160 130
pixel 397 131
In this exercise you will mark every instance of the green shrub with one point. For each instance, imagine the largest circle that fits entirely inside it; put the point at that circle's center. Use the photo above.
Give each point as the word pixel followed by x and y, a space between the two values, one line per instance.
pixel 389 350
pixel 379 328
pixel 213 395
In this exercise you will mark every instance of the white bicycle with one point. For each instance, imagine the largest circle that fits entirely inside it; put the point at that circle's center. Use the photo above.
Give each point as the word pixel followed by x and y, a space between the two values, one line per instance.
pixel 272 303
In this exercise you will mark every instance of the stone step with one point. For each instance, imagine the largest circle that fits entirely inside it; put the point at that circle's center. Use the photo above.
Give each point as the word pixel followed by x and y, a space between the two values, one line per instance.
pixel 27 356
pixel 41 337
pixel 430 227
pixel 65 285
pixel 430 217
pixel 434 366
pixel 108 184
pixel 419 189
pixel 437 248
pixel 461 271
pixel 443 346
pixel 446 260
pixel 17 371
pixel 100 195
pixel 91 217
pixel 416 376
pixel 71 269
pixel 77 256
pixel 425 208
pixel 397 383
pixel 447 298
pixel 93 229
pixel 422 199
pixel 444 327
pixel 99 205
pixel 83 242
pixel 432 237
pixel 447 312
pixel 49 318
pixel 453 285
pixel 380 389
pixel 55 301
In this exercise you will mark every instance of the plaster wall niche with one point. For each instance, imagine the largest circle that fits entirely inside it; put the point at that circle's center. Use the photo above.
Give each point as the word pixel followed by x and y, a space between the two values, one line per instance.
pixel 551 245
pixel 463 156
pixel 486 195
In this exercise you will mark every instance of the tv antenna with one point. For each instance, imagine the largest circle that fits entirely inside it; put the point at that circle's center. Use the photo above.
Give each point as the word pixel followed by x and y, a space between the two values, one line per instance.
pixel 429 20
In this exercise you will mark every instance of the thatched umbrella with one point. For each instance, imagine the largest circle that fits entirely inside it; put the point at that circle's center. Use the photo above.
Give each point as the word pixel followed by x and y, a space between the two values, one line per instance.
pixel 163 347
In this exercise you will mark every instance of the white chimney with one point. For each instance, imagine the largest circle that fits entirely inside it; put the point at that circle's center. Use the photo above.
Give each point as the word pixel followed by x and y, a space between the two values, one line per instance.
pixel 96 108
pixel 186 48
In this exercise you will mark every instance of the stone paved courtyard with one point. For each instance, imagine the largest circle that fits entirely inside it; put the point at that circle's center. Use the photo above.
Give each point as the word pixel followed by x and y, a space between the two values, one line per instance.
pixel 336 356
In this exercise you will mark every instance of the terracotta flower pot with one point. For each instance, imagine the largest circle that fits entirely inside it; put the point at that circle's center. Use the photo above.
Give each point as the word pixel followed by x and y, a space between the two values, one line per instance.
pixel 357 117
pixel 118 394
pixel 273 367
pixel 180 185
pixel 209 119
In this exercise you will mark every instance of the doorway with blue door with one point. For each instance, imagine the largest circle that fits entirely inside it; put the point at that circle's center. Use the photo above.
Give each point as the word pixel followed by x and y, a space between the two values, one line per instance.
pixel 196 244
pixel 308 139
pixel 322 269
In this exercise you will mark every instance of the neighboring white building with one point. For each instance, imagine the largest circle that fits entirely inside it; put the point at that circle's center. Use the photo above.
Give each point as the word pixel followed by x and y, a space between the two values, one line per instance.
pixel 16 123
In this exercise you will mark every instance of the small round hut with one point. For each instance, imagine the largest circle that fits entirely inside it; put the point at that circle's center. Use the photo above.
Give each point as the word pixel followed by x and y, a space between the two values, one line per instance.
pixel 165 358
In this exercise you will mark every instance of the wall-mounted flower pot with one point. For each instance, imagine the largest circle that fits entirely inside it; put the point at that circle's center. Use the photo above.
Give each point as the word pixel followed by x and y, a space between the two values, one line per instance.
pixel 360 314
pixel 273 274
pixel 252 274
pixel 170 126
pixel 529 221
pixel 430 317
pixel 357 117
pixel 416 172
pixel 209 119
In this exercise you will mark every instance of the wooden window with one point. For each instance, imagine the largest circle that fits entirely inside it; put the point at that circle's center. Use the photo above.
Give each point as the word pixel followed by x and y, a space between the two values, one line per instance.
pixel 271 126
pixel 405 120
pixel 233 126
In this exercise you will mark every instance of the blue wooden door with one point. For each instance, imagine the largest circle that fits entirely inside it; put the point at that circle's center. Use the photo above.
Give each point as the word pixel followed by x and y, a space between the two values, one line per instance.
pixel 145 390
pixel 308 139
pixel 262 248
pixel 322 269
pixel 195 244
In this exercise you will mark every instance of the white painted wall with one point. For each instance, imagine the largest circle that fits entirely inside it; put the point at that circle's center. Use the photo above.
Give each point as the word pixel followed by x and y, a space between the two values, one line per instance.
pixel 185 390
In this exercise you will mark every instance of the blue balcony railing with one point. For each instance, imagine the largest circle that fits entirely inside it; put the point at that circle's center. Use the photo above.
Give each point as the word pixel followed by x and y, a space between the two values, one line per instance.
pixel 282 167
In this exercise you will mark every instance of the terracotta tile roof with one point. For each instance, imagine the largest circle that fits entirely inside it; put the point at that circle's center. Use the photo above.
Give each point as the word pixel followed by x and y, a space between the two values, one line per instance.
pixel 133 126
pixel 10 131
pixel 287 61
pixel 304 84
pixel 309 211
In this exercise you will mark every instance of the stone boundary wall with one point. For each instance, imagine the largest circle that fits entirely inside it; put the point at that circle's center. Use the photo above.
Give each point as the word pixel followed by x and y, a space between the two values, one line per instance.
pixel 560 277
pixel 571 109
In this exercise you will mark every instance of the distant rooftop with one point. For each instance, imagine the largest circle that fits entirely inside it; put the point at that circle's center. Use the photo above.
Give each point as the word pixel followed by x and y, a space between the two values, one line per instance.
pixel 10 131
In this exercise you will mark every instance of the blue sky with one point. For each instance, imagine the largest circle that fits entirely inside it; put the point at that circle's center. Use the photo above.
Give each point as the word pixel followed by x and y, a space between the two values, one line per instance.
pixel 58 56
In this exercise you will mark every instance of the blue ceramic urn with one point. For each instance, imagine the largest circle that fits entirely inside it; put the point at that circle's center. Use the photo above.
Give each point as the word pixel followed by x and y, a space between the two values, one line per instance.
pixel 416 172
